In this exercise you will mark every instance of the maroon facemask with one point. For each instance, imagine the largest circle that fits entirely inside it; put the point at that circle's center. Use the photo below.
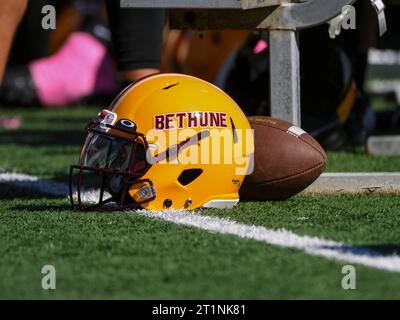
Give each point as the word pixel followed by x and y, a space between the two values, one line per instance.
pixel 109 166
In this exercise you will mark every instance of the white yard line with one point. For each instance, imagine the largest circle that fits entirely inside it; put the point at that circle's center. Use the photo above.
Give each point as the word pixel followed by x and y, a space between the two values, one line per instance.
pixel 281 238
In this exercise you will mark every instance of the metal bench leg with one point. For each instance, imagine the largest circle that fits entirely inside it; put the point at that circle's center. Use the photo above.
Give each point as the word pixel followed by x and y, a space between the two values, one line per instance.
pixel 285 76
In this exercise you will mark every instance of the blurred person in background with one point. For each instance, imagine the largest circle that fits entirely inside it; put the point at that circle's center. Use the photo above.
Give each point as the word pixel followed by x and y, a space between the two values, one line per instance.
pixel 137 37
pixel 74 64
pixel 81 69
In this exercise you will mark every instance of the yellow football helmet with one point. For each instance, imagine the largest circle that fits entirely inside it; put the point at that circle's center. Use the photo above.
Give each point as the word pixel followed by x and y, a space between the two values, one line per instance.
pixel 169 141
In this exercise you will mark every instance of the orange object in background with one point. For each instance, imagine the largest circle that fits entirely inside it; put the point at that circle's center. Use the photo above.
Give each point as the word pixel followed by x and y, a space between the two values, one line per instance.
pixel 200 54
pixel 67 22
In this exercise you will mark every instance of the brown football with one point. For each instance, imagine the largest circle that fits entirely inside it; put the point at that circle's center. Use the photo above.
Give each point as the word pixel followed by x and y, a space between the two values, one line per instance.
pixel 286 161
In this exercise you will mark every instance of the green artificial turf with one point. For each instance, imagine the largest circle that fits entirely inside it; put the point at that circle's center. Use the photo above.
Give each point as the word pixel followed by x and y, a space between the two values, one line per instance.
pixel 356 219
pixel 127 255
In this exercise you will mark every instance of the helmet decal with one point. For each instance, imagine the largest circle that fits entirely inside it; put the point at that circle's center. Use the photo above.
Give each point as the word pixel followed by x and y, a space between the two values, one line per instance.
pixel 194 119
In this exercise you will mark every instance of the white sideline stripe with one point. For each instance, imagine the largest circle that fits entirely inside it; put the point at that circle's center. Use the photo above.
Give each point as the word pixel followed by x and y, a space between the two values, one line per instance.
pixel 282 238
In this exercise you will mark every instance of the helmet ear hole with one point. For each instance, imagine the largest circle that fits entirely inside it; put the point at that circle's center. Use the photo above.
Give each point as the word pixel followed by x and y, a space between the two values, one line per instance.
pixel 189 175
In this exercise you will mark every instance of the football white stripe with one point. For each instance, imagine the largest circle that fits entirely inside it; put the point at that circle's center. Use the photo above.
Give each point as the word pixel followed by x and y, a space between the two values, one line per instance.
pixel 296 131
pixel 281 238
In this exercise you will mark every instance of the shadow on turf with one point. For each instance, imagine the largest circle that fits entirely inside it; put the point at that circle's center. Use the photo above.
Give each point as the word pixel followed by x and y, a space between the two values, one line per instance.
pixel 369 250
pixel 8 192
pixel 43 138
pixel 59 208
pixel 43 208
